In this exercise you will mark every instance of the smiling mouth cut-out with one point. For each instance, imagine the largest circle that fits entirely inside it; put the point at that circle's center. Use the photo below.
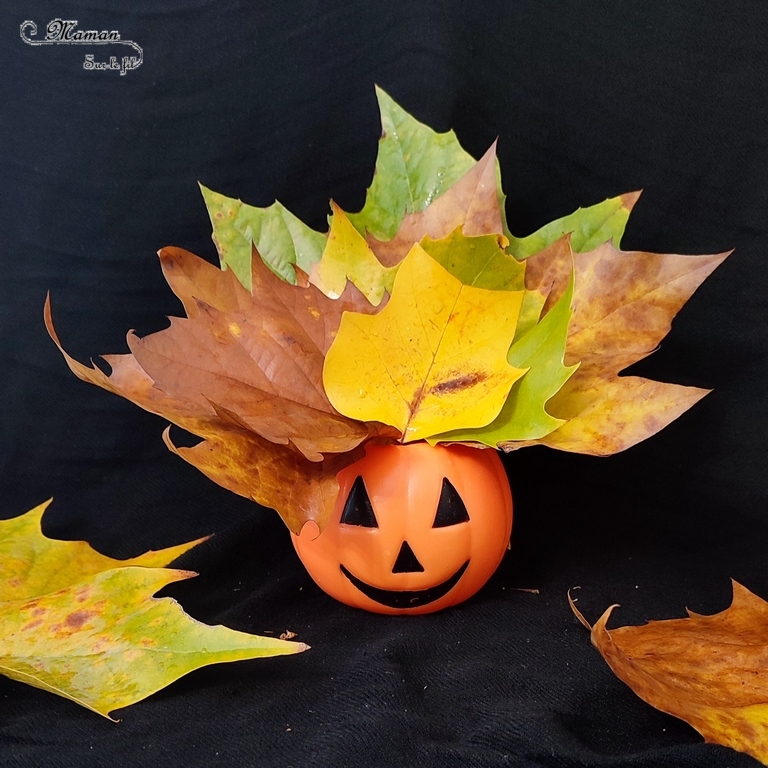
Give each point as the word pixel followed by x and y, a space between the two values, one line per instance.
pixel 406 598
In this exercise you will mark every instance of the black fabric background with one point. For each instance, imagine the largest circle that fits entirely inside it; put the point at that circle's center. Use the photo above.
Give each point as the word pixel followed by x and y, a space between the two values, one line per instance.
pixel 273 100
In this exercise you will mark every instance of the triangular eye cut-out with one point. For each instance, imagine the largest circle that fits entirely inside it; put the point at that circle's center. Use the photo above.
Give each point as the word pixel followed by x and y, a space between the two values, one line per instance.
pixel 450 508
pixel 358 509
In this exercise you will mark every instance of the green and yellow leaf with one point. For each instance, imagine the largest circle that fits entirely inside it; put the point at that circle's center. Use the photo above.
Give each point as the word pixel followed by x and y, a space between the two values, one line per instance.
pixel 86 627
pixel 280 238
pixel 477 261
pixel 347 256
pixel 414 166
pixel 434 357
pixel 588 228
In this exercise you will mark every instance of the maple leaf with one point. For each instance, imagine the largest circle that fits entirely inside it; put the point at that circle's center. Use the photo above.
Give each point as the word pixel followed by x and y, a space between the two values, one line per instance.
pixel 477 261
pixel 588 228
pixel 623 305
pixel 245 374
pixel 348 257
pixel 707 670
pixel 414 166
pixel 433 359
pixel 283 240
pixel 471 204
pixel 86 627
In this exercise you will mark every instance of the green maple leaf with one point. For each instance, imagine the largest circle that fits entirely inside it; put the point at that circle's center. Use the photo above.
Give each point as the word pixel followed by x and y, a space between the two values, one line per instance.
pixel 477 261
pixel 414 166
pixel 282 240
pixel 588 227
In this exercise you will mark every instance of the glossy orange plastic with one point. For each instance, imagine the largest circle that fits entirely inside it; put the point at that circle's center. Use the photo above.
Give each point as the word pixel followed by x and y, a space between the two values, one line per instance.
pixel 416 528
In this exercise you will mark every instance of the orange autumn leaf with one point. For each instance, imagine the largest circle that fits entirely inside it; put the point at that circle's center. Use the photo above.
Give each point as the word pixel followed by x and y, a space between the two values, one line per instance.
pixel 244 372
pixel 711 671
pixel 269 474
pixel 623 306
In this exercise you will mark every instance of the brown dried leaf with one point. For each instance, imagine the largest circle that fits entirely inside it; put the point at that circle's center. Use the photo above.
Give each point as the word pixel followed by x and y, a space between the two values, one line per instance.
pixel 623 307
pixel 263 369
pixel 273 475
pixel 711 671
pixel 472 203
pixel 245 374
pixel 193 279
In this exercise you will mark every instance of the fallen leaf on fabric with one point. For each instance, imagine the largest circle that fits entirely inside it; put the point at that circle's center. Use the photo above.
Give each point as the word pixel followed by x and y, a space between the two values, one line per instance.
pixel 471 205
pixel 86 627
pixel 433 358
pixel 32 564
pixel 348 257
pixel 283 240
pixel 414 166
pixel 245 375
pixel 707 670
pixel 588 227
pixel 623 306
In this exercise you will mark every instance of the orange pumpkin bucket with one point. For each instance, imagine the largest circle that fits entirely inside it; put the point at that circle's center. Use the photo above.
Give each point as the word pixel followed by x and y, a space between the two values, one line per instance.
pixel 416 528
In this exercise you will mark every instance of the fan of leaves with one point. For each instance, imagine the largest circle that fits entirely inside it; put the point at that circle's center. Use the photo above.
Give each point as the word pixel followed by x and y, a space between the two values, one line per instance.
pixel 420 317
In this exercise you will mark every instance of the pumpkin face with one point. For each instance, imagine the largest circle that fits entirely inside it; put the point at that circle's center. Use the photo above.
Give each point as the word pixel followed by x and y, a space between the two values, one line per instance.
pixel 416 528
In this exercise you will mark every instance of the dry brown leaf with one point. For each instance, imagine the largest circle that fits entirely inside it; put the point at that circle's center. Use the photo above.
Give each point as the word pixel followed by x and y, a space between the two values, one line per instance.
pixel 472 203
pixel 264 370
pixel 273 475
pixel 711 671
pixel 193 279
pixel 623 306
pixel 214 375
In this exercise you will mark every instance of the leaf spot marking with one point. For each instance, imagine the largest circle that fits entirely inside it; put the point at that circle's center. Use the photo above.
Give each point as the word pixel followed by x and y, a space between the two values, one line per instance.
pixel 78 618
pixel 458 383
pixel 32 625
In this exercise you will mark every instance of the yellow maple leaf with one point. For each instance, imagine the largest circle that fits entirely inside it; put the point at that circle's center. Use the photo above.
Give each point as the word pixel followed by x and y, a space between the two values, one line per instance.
pixel 434 359
pixel 348 257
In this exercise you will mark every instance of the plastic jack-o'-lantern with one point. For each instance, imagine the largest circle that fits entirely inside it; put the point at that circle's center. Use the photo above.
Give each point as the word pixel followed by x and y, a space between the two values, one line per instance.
pixel 416 528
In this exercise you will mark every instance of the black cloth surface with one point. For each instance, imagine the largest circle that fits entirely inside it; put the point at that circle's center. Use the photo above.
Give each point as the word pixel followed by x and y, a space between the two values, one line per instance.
pixel 274 99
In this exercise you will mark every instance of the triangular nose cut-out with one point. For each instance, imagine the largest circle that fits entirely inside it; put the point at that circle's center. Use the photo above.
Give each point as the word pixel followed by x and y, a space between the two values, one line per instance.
pixel 406 561
pixel 358 509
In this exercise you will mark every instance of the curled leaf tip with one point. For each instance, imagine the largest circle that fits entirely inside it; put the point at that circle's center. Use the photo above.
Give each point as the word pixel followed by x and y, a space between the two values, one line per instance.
pixel 576 612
